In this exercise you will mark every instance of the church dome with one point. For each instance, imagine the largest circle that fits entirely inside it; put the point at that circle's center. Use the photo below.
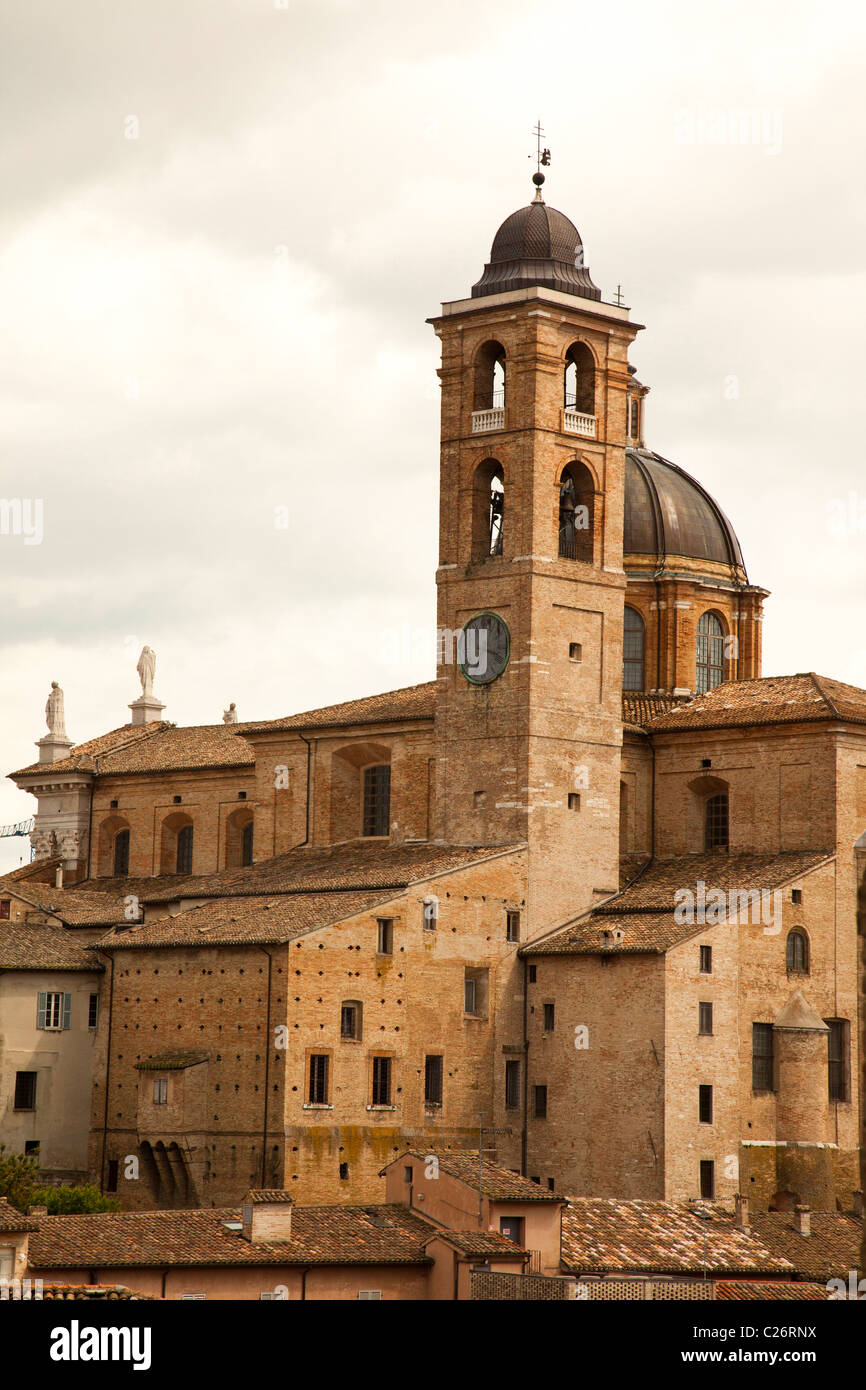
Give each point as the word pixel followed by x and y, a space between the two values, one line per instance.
pixel 668 513
pixel 536 245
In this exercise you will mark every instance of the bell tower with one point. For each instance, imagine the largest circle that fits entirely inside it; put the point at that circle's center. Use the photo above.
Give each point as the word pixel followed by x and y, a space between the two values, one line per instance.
pixel 535 379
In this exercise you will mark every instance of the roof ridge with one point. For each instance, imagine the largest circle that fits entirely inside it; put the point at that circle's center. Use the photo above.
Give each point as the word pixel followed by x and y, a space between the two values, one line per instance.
pixel 816 681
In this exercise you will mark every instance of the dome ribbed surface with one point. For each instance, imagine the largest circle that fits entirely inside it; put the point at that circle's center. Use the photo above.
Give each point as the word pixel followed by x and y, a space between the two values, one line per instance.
pixel 537 245
pixel 668 513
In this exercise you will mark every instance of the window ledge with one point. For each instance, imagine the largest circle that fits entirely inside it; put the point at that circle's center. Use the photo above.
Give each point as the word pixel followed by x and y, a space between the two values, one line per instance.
pixel 356 1041
pixel 475 1018
pixel 316 1105
pixel 381 1107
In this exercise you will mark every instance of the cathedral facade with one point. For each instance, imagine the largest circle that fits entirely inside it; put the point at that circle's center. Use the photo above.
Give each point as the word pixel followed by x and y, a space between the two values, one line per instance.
pixel 593 898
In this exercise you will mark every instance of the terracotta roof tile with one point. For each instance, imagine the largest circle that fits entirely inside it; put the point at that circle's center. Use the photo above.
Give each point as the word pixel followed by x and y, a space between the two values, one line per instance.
pixel 644 911
pixel 638 709
pixel 830 1252
pixel 42 946
pixel 346 1235
pixel 771 700
pixel 605 1235
pixel 12 1220
pixel 243 921
pixel 482 1243
pixel 57 1293
pixel 747 1290
pixel 499 1184
pixel 412 702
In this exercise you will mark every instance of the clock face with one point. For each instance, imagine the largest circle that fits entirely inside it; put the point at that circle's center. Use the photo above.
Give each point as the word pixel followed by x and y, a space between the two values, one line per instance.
pixel 483 648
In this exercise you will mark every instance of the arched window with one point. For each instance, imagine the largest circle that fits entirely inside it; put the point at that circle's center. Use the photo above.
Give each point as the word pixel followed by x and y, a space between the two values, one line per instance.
pixel 577 514
pixel 797 953
pixel 716 821
pixel 377 800
pixel 488 510
pixel 121 854
pixel 579 385
pixel 489 384
pixel 633 649
pixel 247 844
pixel 184 850
pixel 711 653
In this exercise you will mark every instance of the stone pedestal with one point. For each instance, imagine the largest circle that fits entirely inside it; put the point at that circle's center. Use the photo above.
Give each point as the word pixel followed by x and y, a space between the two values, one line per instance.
pixel 53 747
pixel 146 710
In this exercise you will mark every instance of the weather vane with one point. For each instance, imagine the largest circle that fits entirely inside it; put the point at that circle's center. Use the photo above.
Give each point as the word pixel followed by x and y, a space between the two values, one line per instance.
pixel 542 157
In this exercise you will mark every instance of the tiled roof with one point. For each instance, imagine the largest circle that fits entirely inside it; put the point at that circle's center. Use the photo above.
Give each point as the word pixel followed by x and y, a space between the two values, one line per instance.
pixel 638 709
pixel 56 1293
pixel 41 946
pixel 157 747
pixel 830 1252
pixel 267 1196
pixel 11 1219
pixel 412 702
pixel 345 1235
pixel 644 910
pixel 770 700
pixel 747 1290
pixel 84 755
pixel 604 1235
pixel 482 1243
pixel 243 921
pixel 172 1061
pixel 499 1184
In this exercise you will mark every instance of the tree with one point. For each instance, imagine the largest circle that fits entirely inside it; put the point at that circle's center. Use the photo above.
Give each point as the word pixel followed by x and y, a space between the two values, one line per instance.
pixel 19 1184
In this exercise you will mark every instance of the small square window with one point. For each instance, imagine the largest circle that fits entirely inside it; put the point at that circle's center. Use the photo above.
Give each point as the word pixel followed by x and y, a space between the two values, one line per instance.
pixel 705 1020
pixel 575 651
pixel 242 796
pixel 113 805
pixel 549 1017
pixel 31 1148
pixel 177 800
pixel 706 960
pixel 386 936
pixel 479 800
pixel 512 926
pixel 706 762
pixel 160 1091
pixel 796 895
pixel 574 801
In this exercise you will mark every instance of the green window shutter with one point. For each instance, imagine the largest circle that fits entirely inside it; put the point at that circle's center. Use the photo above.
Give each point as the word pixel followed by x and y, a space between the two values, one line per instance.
pixel 41 1009
pixel 67 1010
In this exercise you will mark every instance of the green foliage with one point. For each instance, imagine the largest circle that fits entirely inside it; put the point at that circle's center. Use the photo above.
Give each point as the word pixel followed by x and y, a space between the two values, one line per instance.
pixel 19 1184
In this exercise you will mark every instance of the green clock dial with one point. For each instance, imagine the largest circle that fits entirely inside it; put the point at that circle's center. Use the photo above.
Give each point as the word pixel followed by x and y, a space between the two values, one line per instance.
pixel 484 647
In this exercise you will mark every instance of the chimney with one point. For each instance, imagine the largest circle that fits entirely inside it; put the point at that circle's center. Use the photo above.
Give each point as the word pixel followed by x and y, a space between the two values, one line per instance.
pixel 742 1211
pixel 803 1218
pixel 37 1211
pixel 267 1215
pixel 58 876
pixel 858 1203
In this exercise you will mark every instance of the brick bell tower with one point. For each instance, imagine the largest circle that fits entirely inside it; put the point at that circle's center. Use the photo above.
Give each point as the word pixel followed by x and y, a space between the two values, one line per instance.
pixel 530 581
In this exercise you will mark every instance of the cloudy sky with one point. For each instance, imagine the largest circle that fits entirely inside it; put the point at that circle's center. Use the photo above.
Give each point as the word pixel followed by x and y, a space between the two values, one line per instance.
pixel 224 223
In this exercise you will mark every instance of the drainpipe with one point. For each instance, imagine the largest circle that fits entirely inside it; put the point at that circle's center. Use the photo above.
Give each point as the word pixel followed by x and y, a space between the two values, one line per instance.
pixel 107 1072
pixel 268 1046
pixel 306 839
pixel 304 1272
pixel 524 1136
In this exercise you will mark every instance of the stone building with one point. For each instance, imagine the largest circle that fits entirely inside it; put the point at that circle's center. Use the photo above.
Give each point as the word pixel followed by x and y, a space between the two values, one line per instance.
pixel 589 898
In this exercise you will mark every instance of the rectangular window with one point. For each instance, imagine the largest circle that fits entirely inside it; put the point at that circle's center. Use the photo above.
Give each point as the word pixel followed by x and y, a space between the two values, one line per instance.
pixel 512 1228
pixel 574 801
pixel 706 960
pixel 533 974
pixel 705 1105
pixel 708 1179
pixel 25 1090
pixel 93 1011
pixel 386 936
pixel 512 1085
pixel 350 1021
pixel 369 1295
pixel 475 991
pixel 381 1080
pixel 344 1172
pixel 5 908
pixel 318 1089
pixel 539 1107
pixel 469 995
pixel 705 1020
pixel 53 1010
pixel 575 651
pixel 837 1058
pixel 796 895
pixel 160 1091
pixel 512 926
pixel 549 1017
pixel 111 1184
pixel 762 1057
pixel 432 1080
pixel 377 800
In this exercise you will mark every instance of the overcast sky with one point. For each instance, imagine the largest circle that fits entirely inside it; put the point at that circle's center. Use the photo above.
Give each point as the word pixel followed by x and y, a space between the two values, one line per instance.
pixel 224 223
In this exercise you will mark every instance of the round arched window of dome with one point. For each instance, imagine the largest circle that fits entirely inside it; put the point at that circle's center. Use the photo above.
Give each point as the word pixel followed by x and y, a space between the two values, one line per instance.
pixel 633 649
pixel 797 952
pixel 710 653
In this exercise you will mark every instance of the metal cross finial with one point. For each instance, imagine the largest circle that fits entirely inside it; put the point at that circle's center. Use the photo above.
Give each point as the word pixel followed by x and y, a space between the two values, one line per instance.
pixel 542 157
pixel 619 298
